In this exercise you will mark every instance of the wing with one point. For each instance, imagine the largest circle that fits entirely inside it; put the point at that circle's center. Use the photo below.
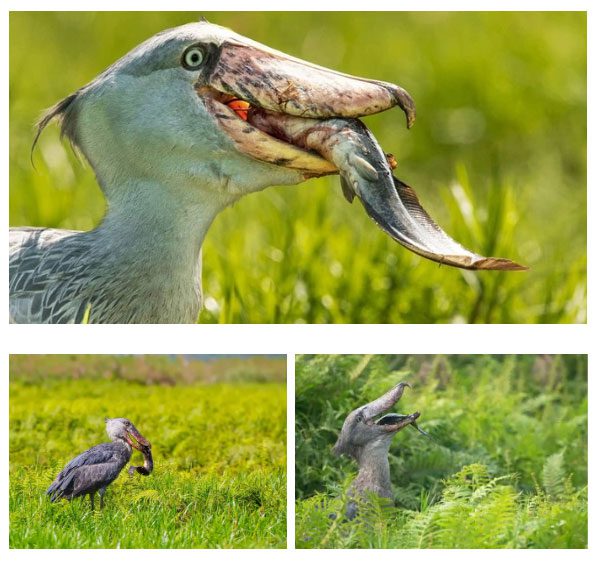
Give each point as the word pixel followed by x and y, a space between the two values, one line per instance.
pixel 91 478
pixel 40 286
pixel 102 453
pixel 98 463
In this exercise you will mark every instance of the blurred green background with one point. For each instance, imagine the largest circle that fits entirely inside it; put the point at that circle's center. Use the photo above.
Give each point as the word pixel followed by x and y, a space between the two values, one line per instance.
pixel 497 155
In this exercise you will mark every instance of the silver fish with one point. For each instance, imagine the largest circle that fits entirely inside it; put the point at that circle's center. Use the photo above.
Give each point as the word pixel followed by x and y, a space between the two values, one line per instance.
pixel 366 172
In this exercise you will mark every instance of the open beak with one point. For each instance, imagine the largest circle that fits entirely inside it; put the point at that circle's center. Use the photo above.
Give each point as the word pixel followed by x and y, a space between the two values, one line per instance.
pixel 293 114
pixel 136 440
pixel 251 76
pixel 390 423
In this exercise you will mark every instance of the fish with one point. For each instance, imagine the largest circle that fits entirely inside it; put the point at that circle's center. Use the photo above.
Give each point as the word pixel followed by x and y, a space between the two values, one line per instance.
pixel 417 427
pixel 366 173
pixel 147 467
pixel 393 418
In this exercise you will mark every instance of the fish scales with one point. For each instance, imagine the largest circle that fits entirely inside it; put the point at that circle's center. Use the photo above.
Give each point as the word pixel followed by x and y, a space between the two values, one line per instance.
pixel 366 171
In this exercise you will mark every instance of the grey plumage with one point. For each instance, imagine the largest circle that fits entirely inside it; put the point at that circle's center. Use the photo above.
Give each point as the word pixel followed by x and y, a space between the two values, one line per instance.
pixel 95 469
pixel 366 437
pixel 42 287
pixel 57 276
pixel 90 472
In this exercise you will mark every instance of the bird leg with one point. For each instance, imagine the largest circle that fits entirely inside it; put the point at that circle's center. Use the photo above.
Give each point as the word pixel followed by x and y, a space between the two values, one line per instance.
pixel 102 491
pixel 92 499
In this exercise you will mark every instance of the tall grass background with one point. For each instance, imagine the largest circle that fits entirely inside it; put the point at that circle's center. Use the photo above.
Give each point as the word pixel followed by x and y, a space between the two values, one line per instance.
pixel 506 466
pixel 497 155
pixel 219 447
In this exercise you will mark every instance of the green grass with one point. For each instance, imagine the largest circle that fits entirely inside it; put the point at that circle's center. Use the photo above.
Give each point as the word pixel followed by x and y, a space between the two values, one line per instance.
pixel 219 478
pixel 507 467
pixel 497 155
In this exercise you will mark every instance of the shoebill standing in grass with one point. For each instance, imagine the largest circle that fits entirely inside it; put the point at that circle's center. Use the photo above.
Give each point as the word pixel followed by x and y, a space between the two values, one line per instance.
pixel 95 469
pixel 177 130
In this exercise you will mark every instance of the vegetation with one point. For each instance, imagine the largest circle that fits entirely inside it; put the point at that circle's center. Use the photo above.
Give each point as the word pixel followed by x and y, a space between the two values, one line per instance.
pixel 151 369
pixel 219 451
pixel 498 156
pixel 506 466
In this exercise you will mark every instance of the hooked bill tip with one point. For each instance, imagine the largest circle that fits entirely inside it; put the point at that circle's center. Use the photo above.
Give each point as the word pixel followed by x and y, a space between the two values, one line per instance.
pixel 405 102
pixel 410 116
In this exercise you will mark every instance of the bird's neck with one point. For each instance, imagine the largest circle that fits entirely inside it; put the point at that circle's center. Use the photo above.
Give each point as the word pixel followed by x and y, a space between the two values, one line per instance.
pixel 150 246
pixel 373 470
pixel 124 444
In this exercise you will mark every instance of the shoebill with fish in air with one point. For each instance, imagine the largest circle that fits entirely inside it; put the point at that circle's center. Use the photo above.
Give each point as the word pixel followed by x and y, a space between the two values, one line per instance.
pixel 178 129
pixel 366 436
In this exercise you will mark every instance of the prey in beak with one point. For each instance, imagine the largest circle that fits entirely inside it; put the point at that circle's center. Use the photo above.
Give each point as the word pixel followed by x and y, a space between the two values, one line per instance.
pixel 293 114
pixel 246 76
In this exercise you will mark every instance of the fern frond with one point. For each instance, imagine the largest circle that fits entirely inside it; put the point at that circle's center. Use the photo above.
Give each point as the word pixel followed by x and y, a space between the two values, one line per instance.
pixel 553 474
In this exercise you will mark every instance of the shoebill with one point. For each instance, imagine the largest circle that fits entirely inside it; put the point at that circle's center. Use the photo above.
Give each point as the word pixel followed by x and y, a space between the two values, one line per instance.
pixel 180 128
pixel 366 437
pixel 95 469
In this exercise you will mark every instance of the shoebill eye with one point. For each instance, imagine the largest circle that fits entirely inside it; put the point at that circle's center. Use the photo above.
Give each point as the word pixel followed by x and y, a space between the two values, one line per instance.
pixel 193 58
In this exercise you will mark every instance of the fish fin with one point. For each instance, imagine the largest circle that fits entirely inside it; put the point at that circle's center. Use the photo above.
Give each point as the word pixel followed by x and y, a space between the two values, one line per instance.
pixel 364 168
pixel 347 190
pixel 446 249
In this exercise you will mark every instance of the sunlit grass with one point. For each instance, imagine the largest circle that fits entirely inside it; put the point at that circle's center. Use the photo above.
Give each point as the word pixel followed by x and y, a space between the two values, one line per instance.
pixel 219 478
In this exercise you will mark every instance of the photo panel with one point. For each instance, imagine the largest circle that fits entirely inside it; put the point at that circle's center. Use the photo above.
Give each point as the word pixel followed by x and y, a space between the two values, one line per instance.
pixel 413 139
pixel 147 451
pixel 339 181
pixel 441 451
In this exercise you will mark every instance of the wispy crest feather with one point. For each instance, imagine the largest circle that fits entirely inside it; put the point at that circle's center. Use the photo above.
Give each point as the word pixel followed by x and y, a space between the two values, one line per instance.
pixel 65 112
